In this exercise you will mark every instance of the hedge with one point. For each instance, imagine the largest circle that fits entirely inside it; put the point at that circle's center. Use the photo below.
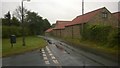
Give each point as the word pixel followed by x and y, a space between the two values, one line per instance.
pixel 101 34
pixel 10 30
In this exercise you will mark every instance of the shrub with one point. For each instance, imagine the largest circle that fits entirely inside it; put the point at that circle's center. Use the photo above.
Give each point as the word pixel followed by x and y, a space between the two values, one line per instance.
pixel 7 31
pixel 101 34
pixel 113 38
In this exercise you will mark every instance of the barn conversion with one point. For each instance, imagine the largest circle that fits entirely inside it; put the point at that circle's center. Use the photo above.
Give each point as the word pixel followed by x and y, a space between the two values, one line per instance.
pixel 74 28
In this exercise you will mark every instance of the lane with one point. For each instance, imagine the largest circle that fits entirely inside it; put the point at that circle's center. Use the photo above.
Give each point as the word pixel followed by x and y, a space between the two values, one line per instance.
pixel 57 54
pixel 70 56
pixel 66 58
pixel 33 58
pixel 40 57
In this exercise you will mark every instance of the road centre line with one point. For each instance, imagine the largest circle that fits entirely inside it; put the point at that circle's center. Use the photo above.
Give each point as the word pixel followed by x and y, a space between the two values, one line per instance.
pixel 55 61
pixel 44 55
pixel 45 58
pixel 52 56
pixel 42 50
pixel 47 62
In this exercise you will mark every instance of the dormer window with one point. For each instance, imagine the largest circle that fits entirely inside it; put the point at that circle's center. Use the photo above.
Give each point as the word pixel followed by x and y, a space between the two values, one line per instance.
pixel 104 14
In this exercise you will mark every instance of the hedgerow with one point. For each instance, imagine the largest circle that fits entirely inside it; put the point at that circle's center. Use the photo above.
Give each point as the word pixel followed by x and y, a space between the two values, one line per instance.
pixel 101 34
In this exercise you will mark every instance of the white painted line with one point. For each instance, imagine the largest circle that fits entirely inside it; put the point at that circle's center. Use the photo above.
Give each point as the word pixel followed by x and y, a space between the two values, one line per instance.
pixel 47 62
pixel 49 51
pixel 43 52
pixel 55 61
pixel 45 58
pixel 50 54
pixel 42 49
pixel 47 48
pixel 44 55
pixel 53 57
pixel 65 52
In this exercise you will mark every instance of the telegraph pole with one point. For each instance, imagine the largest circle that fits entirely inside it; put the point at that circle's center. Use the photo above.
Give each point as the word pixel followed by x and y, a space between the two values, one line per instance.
pixel 82 14
pixel 82 7
pixel 23 39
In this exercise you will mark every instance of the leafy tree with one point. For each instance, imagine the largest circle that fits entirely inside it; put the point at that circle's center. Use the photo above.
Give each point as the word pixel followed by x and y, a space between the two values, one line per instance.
pixel 15 21
pixel 46 24
pixel 34 22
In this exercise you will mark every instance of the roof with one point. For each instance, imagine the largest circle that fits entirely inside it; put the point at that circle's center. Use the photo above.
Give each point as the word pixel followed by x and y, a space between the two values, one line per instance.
pixel 117 15
pixel 85 18
pixel 49 30
pixel 61 24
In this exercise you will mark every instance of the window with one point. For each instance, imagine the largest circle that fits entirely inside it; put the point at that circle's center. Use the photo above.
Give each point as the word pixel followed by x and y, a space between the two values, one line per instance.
pixel 104 14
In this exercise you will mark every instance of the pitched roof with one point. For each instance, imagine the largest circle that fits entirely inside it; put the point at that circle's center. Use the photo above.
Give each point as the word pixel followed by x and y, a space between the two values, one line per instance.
pixel 117 15
pixel 61 24
pixel 49 30
pixel 85 18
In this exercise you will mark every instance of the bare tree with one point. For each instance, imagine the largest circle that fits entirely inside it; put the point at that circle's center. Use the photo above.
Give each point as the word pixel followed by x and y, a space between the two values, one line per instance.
pixel 18 13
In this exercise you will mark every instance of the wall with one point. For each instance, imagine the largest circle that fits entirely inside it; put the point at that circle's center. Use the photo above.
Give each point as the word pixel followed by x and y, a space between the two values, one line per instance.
pixel 110 20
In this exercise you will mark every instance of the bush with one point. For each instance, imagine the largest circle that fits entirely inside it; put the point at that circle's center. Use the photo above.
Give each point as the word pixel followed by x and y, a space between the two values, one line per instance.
pixel 101 34
pixel 7 31
pixel 113 38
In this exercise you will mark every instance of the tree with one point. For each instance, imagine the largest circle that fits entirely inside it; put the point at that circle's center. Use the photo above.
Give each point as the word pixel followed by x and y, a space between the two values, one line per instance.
pixel 18 13
pixel 46 24
pixel 15 21
pixel 7 18
pixel 36 24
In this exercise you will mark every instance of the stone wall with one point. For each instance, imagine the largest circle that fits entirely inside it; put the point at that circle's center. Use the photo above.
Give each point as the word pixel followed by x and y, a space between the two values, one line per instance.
pixel 109 20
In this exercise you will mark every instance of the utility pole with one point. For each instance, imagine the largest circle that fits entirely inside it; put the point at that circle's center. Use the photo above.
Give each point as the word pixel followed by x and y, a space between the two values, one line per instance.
pixel 23 33
pixel 23 39
pixel 82 15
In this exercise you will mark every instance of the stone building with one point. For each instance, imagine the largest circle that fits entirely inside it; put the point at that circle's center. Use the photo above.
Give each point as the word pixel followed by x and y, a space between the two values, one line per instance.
pixel 100 16
pixel 73 29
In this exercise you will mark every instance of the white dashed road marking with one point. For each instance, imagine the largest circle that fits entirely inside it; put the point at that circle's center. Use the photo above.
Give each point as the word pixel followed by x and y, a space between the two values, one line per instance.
pixel 43 52
pixel 55 61
pixel 51 55
pixel 47 62
pixel 44 55
pixel 42 49
pixel 45 58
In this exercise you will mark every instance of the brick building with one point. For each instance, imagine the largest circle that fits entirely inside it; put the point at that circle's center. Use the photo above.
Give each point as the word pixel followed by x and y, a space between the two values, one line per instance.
pixel 117 15
pixel 59 28
pixel 72 29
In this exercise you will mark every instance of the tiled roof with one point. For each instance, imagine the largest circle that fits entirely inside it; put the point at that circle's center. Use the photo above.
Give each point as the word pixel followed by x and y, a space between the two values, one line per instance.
pixel 61 24
pixel 84 18
pixel 49 30
pixel 117 15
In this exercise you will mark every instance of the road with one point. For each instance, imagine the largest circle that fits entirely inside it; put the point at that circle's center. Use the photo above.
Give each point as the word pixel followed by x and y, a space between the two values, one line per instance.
pixel 58 54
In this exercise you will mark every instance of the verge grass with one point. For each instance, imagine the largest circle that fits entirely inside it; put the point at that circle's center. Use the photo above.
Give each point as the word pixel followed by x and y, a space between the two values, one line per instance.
pixel 32 43
pixel 90 44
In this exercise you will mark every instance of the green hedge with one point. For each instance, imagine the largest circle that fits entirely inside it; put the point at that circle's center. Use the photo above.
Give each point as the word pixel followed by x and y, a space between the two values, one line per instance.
pixel 101 34
pixel 6 31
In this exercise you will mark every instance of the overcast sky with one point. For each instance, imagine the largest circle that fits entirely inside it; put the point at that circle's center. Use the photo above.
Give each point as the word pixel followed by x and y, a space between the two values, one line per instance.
pixel 58 9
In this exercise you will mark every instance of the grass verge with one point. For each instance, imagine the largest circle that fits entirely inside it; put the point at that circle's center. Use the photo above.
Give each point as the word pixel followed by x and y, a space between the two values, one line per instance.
pixel 93 45
pixel 32 43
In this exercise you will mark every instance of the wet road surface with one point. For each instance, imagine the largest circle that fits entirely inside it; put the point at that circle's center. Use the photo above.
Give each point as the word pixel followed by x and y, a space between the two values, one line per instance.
pixel 58 54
